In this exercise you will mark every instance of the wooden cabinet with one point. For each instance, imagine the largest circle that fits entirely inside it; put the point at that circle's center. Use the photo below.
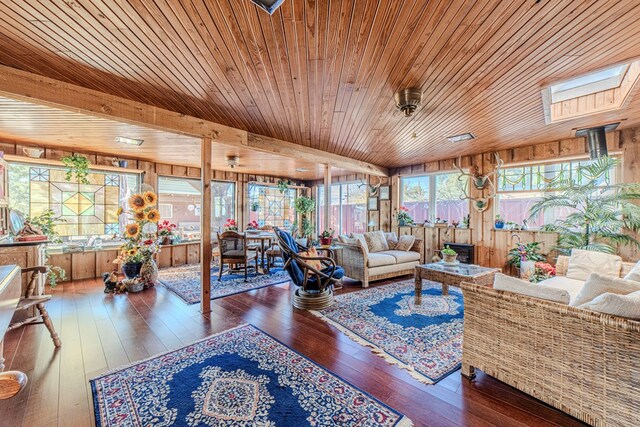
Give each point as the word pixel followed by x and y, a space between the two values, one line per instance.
pixel 24 255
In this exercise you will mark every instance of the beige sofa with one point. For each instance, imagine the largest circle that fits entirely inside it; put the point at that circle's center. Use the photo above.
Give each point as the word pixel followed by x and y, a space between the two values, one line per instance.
pixel 366 267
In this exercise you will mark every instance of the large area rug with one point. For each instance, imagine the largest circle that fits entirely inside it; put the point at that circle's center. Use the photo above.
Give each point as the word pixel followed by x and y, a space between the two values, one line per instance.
pixel 185 282
pixel 426 340
pixel 240 377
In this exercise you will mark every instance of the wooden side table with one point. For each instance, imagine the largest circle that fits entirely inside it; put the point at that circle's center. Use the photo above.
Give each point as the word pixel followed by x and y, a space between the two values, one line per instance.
pixel 451 276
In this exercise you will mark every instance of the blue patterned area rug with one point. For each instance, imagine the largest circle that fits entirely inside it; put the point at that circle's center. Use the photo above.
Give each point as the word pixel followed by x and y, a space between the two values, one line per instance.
pixel 185 282
pixel 239 377
pixel 425 340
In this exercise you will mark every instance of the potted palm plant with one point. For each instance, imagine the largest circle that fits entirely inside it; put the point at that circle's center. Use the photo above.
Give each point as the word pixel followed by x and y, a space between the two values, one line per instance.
pixel 602 214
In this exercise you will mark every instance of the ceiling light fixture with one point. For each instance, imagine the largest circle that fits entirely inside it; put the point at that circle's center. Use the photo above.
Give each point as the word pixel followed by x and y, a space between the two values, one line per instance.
pixel 233 161
pixel 462 137
pixel 268 6
pixel 302 170
pixel 129 141
pixel 407 100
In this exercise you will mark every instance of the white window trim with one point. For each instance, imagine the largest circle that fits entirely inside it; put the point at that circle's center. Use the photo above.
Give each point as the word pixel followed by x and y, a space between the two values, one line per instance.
pixel 335 184
pixel 432 189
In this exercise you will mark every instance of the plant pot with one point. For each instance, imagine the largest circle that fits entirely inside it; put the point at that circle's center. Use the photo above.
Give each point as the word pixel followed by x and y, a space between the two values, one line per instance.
pixel 134 285
pixel 131 270
pixel 149 272
pixel 527 269
pixel 326 241
pixel 402 222
pixel 499 225
pixel 449 259
pixel 166 240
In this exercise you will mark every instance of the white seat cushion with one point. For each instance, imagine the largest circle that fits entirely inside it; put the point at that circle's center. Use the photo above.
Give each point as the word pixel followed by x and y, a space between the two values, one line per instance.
pixel 379 259
pixel 583 263
pixel 597 285
pixel 617 305
pixel 503 282
pixel 572 286
pixel 403 256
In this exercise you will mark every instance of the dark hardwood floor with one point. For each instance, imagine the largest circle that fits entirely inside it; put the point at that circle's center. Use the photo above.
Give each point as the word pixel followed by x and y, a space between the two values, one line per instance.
pixel 101 332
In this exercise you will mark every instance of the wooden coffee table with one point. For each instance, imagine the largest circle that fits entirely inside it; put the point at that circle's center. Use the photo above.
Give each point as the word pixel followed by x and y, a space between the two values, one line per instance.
pixel 452 276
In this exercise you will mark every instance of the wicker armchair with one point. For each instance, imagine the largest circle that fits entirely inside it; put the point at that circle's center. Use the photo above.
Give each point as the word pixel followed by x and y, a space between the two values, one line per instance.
pixel 584 363
pixel 315 286
pixel 356 264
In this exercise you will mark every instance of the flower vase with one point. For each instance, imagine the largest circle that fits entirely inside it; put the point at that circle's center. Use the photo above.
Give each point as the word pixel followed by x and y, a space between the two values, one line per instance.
pixel 149 272
pixel 527 269
pixel 166 240
pixel 402 222
pixel 131 270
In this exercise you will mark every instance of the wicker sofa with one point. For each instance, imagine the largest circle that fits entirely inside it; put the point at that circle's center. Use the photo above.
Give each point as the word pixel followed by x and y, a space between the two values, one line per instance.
pixel 584 363
pixel 364 267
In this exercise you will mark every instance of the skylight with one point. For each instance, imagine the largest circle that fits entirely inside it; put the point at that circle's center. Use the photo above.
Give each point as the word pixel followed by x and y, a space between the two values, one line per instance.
pixel 587 84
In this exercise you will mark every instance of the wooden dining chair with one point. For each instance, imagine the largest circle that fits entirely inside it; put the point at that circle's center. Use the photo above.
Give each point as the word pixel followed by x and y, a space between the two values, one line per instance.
pixel 233 251
pixel 29 301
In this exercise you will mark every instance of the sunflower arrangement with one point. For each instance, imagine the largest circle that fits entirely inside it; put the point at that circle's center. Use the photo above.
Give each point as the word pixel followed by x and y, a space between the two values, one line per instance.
pixel 141 235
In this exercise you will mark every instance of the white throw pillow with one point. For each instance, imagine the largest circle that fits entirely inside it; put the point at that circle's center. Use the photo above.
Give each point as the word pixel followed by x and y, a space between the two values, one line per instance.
pixel 597 285
pixel 503 282
pixel 376 241
pixel 634 274
pixel 583 263
pixel 405 243
pixel 618 305
pixel 363 242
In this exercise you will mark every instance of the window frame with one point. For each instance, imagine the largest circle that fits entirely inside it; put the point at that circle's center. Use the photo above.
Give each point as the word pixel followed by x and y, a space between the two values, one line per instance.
pixel 256 184
pixel 186 178
pixel 340 197
pixel 617 178
pixel 53 164
pixel 432 190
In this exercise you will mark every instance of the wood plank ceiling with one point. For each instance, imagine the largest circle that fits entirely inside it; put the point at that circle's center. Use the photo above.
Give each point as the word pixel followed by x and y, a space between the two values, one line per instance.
pixel 26 123
pixel 323 74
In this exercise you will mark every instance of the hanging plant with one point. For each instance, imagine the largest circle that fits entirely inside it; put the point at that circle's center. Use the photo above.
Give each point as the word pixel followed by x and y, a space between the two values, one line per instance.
pixel 78 166
pixel 255 206
pixel 304 206
pixel 283 185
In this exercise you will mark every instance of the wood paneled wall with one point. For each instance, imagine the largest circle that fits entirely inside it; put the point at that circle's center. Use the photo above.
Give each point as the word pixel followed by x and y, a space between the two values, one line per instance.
pixel 492 245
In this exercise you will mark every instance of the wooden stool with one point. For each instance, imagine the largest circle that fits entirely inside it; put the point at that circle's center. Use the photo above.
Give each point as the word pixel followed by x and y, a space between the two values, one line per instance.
pixel 38 301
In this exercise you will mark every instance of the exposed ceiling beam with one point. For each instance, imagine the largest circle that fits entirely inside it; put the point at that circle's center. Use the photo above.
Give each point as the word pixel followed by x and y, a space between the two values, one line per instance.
pixel 41 90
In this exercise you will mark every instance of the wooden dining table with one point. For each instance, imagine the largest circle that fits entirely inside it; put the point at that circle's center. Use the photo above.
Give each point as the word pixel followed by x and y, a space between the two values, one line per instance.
pixel 262 237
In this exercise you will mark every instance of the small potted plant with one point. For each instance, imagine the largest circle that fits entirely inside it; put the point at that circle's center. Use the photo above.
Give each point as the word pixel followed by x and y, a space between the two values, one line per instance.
pixel 499 223
pixel 230 225
pixel 403 216
pixel 166 232
pixel 326 237
pixel 449 255
pixel 252 228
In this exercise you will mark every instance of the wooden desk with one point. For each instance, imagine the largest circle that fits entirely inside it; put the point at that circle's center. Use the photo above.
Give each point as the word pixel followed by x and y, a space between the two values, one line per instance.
pixel 10 290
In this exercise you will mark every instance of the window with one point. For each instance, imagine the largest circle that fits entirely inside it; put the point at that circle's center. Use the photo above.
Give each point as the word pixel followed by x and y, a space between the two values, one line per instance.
pixel 269 206
pixel 348 208
pixel 86 209
pixel 181 196
pixel 435 196
pixel 589 83
pixel 518 188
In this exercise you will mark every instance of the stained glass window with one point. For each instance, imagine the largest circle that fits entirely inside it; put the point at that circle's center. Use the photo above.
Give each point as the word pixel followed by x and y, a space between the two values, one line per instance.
pixel 87 209
pixel 270 206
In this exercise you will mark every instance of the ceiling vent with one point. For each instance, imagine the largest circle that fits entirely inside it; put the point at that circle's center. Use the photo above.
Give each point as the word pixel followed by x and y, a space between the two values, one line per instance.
pixel 462 137
pixel 407 100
